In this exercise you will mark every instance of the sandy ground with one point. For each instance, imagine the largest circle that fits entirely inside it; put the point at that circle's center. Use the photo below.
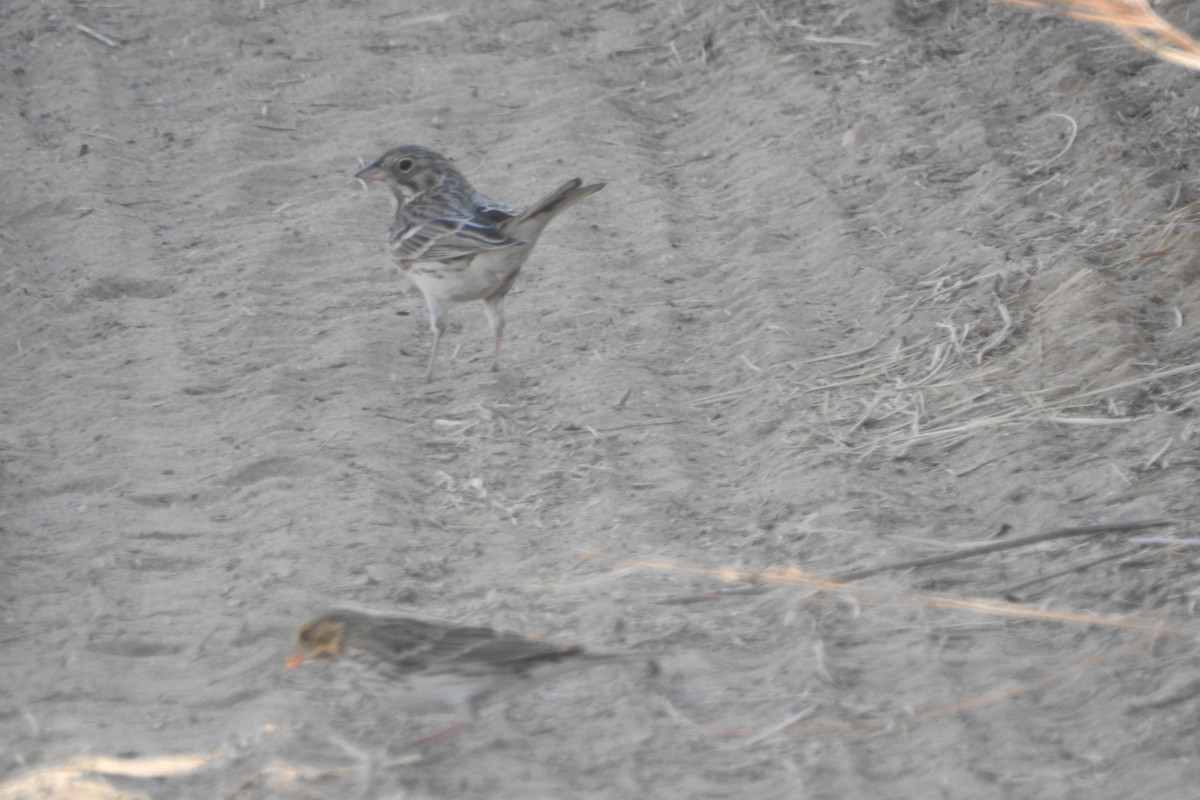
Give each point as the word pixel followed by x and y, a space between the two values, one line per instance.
pixel 869 282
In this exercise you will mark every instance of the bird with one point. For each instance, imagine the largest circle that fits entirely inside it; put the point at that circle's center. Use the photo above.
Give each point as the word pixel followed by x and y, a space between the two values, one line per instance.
pixel 426 664
pixel 455 243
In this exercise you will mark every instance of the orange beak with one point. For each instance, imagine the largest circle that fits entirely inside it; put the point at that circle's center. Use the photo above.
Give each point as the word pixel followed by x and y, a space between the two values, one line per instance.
pixel 295 659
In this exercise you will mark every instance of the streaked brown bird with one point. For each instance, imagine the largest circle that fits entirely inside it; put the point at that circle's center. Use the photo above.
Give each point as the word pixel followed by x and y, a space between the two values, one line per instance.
pixel 427 664
pixel 455 243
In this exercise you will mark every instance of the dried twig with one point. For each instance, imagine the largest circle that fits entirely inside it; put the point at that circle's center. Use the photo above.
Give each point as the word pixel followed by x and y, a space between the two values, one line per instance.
pixel 1165 541
pixel 992 547
pixel 689 599
pixel 1007 591
pixel 99 37
pixel 771 730
pixel 1133 19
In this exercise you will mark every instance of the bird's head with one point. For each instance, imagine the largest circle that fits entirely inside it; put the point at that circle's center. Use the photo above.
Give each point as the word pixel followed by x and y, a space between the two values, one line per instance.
pixel 322 637
pixel 409 170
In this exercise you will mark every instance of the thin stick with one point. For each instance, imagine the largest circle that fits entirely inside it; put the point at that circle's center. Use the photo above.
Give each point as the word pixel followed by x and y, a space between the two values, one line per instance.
pixel 844 354
pixel 99 37
pixel 783 724
pixel 840 40
pixel 642 425
pixel 1006 591
pixel 992 547
pixel 689 599
pixel 722 396
pixel 602 431
pixel 1165 541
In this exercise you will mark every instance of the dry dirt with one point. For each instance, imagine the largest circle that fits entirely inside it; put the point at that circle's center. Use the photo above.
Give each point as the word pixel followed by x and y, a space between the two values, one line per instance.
pixel 869 282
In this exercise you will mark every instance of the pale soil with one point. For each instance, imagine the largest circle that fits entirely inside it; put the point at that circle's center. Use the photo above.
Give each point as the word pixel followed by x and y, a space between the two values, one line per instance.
pixel 873 280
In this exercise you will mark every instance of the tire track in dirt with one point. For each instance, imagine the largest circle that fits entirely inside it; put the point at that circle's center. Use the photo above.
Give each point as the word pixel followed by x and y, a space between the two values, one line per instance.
pixel 266 449
pixel 747 214
pixel 750 210
pixel 161 442
pixel 100 377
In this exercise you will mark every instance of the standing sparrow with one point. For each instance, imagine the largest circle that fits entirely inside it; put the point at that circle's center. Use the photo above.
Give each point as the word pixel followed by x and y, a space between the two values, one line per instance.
pixel 455 243
pixel 429 664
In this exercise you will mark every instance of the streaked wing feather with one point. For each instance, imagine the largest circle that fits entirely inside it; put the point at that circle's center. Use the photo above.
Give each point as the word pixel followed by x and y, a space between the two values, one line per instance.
pixel 515 652
pixel 493 210
pixel 409 644
pixel 444 238
pixel 487 646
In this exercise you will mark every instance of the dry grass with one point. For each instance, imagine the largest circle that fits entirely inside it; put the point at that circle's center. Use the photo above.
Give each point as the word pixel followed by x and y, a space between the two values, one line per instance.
pixel 777 597
pixel 915 401
pixel 1079 349
pixel 1133 19
pixel 83 778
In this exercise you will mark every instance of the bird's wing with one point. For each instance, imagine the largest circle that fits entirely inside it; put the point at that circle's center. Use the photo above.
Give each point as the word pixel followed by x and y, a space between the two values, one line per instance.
pixel 493 210
pixel 408 643
pixel 467 645
pixel 441 232
pixel 404 645
pixel 417 644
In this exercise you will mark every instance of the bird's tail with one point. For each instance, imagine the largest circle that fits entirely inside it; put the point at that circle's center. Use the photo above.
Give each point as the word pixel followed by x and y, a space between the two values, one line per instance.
pixel 554 204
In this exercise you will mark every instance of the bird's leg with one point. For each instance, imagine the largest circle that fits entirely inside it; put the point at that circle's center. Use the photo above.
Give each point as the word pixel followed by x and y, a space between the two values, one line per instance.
pixel 437 340
pixel 437 322
pixel 494 306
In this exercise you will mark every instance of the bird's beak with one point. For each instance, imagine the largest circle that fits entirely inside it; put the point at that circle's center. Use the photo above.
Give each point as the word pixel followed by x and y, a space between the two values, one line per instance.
pixel 294 660
pixel 371 172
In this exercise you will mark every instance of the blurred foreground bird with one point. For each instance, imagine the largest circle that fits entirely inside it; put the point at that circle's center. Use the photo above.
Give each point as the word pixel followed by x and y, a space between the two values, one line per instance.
pixel 455 243
pixel 427 664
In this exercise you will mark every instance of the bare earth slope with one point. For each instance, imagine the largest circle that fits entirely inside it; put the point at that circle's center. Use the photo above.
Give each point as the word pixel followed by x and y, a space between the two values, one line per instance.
pixel 869 282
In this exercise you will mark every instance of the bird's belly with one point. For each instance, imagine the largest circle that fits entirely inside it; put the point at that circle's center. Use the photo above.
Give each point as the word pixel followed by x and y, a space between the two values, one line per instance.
pixel 465 279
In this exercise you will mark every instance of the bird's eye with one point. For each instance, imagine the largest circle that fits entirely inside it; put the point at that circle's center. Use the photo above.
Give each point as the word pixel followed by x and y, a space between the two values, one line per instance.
pixel 405 165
